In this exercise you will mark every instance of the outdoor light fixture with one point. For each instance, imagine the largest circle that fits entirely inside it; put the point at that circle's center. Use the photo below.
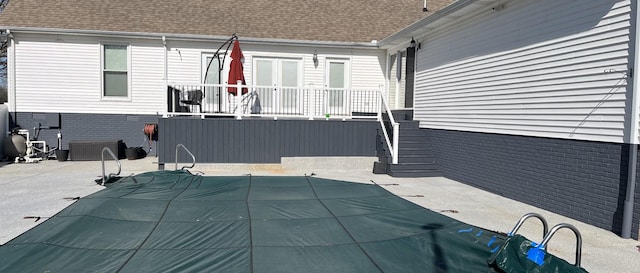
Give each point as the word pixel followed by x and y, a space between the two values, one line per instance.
pixel 412 44
pixel 315 58
pixel 4 37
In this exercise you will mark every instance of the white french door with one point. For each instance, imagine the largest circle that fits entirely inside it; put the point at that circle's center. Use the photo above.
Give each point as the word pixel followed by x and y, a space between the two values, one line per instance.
pixel 279 85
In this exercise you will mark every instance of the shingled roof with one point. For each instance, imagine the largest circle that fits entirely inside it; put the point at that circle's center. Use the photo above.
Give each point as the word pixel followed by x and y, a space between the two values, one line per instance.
pixel 313 20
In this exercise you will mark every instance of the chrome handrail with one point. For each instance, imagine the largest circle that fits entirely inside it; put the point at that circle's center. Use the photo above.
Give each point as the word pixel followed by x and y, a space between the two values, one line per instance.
pixel 545 226
pixel 546 239
pixel 189 152
pixel 104 177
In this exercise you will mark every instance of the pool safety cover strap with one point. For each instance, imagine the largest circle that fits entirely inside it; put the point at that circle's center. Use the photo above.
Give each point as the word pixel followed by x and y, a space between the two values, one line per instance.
pixel 172 221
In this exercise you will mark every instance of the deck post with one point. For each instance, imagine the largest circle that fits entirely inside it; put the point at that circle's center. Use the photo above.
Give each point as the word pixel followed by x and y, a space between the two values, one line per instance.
pixel 239 99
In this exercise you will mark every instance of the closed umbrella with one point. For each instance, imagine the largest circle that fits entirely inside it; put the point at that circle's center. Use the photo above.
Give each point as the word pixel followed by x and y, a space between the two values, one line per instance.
pixel 236 70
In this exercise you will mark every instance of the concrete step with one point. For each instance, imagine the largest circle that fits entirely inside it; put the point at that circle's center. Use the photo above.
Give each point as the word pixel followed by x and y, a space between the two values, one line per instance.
pixel 414 173
pixel 413 170
pixel 412 166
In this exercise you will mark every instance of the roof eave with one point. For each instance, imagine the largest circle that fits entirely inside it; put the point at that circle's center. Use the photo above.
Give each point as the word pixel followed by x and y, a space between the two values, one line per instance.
pixel 400 38
pixel 190 37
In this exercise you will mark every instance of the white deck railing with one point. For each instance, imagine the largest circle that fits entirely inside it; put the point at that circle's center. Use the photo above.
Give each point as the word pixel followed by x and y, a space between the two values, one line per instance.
pixel 266 101
pixel 202 100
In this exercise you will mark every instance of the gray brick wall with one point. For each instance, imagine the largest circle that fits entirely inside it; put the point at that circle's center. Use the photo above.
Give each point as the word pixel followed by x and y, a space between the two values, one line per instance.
pixel 87 127
pixel 580 179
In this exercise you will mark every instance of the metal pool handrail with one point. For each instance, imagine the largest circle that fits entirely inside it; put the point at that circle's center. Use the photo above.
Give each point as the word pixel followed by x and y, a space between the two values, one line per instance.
pixel 104 177
pixel 546 239
pixel 189 152
pixel 545 226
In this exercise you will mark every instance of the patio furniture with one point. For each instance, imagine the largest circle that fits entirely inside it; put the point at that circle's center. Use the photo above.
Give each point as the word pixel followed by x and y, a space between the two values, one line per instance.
pixel 192 98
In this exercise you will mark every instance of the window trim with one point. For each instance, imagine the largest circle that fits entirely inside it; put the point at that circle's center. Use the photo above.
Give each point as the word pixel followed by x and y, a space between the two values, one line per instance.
pixel 102 70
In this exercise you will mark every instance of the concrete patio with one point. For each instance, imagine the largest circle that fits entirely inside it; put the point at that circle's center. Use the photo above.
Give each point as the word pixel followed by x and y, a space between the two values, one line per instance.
pixel 43 189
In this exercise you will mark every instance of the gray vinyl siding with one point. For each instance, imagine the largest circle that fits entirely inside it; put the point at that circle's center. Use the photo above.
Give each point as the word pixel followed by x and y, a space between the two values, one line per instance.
pixel 213 140
pixel 264 140
pixel 534 68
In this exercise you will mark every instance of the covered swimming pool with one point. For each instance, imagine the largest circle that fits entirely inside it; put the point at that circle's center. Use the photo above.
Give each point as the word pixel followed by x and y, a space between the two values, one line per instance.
pixel 174 221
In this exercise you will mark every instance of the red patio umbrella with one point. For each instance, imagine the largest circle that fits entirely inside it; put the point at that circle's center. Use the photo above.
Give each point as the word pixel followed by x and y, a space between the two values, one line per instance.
pixel 236 70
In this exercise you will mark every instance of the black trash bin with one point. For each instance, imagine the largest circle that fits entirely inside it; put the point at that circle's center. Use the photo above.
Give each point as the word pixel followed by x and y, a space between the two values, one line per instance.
pixel 62 155
pixel 131 153
pixel 135 153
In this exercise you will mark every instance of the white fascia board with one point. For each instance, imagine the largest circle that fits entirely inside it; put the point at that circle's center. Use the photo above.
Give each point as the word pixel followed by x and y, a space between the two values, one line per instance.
pixel 191 37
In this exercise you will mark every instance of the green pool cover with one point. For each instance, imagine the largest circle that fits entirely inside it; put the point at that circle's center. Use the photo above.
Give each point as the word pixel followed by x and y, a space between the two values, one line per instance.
pixel 172 221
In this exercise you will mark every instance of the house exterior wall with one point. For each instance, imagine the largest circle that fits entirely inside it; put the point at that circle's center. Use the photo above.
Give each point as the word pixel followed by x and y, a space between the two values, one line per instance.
pixel 533 68
pixel 397 86
pixel 584 180
pixel 529 101
pixel 214 140
pixel 62 73
pixel 80 127
pixel 367 66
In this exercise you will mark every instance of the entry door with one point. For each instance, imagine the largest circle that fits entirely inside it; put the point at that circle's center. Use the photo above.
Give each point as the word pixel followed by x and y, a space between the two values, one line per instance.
pixel 214 97
pixel 336 86
pixel 278 83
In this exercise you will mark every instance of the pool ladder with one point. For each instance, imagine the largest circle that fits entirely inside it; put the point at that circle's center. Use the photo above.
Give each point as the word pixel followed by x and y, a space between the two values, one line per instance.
pixel 534 253
pixel 193 158
pixel 107 177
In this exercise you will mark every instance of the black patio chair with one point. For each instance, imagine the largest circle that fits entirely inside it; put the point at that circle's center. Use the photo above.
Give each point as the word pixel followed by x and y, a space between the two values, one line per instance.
pixel 192 97
pixel 173 97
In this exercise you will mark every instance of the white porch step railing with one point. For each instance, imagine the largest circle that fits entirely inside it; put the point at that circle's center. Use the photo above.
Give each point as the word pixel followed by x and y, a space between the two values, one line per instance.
pixel 202 100
pixel 392 143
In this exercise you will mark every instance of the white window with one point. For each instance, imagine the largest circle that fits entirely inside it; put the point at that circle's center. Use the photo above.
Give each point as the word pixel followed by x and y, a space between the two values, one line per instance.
pixel 115 71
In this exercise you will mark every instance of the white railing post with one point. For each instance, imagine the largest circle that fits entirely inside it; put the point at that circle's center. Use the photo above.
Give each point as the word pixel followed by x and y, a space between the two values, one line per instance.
pixel 311 100
pixel 173 99
pixel 239 99
pixel 396 134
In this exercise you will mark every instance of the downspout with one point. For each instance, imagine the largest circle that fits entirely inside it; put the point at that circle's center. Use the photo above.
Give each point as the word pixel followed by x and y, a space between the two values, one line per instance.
pixel 11 74
pixel 166 77
pixel 627 214
pixel 388 78
pixel 398 78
